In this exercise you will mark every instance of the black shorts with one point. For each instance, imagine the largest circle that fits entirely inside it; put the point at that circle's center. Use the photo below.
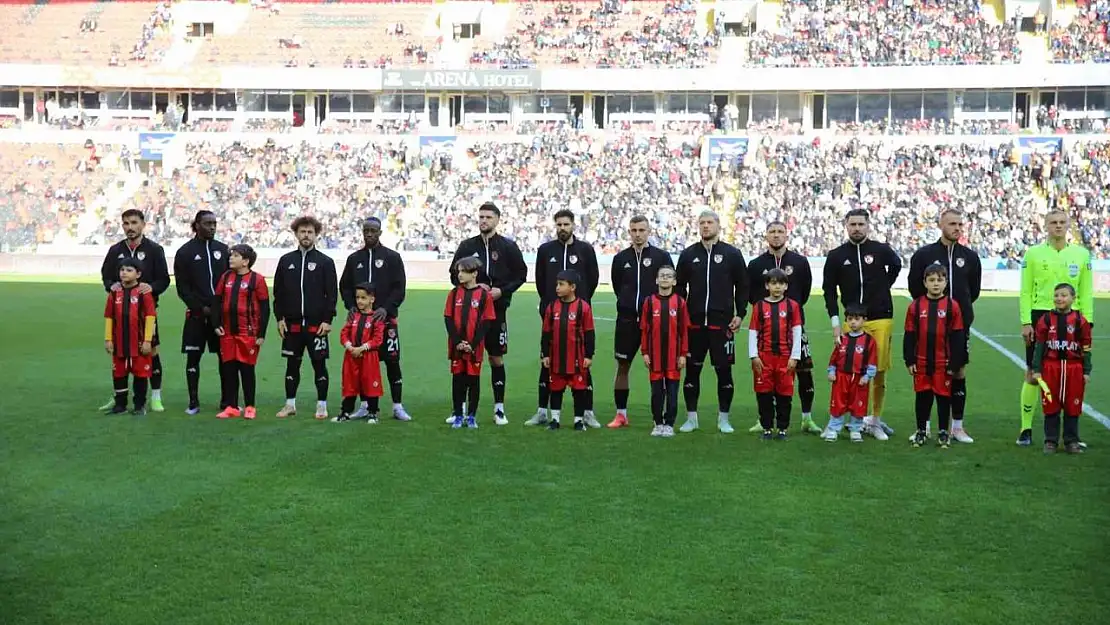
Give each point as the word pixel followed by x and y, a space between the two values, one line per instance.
pixel 198 334
pixel 1036 316
pixel 626 339
pixel 295 343
pixel 497 336
pixel 391 344
pixel 806 362
pixel 717 342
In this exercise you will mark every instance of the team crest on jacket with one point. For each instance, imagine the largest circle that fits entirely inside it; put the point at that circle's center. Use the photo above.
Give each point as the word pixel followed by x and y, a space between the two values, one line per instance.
pixel 311 266
pixel 369 324
pixel 788 270
pixel 782 313
pixel 673 312
pixel 1070 328
pixel 942 313
pixel 571 316
pixel 647 262
pixel 474 303
pixel 135 300
pixel 573 259
pixel 378 263
pixel 1073 269
pixel 493 255
pixel 245 284
pixel 217 254
pixel 960 262
pixel 869 259
pixel 718 258
pixel 859 349
pixel 142 256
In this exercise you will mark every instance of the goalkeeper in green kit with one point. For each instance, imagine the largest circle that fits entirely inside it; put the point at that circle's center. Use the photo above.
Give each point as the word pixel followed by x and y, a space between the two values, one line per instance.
pixel 1053 262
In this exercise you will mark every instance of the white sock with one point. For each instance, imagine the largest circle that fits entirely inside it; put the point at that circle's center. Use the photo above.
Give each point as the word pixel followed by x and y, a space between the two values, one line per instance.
pixel 292 403
pixel 365 405
pixel 577 418
pixel 722 416
pixel 499 407
pixel 322 405
pixel 806 416
pixel 622 412
pixel 555 415
pixel 957 424
pixel 156 394
pixel 692 415
pixel 589 413
pixel 541 410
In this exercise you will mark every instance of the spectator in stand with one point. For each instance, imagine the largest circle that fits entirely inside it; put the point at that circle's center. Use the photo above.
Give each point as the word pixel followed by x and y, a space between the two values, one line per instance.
pixel 1087 38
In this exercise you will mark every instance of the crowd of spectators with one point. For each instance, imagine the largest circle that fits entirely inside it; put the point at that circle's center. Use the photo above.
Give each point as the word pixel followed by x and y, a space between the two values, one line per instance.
pixel 613 33
pixel 1086 39
pixel 427 199
pixel 824 33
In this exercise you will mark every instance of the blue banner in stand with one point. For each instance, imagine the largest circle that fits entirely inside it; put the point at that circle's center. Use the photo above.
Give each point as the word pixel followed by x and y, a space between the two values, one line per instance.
pixel 725 148
pixel 1028 146
pixel 437 143
pixel 153 144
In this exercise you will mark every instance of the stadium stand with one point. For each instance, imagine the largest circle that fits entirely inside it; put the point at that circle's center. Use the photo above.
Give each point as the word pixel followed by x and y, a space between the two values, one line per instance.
pixel 1086 38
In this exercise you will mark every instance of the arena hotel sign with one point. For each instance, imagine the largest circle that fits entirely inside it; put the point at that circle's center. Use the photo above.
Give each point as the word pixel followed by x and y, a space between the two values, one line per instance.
pixel 462 80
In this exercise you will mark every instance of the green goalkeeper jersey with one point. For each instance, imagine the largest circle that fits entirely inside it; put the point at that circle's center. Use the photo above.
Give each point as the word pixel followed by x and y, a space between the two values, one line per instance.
pixel 1044 267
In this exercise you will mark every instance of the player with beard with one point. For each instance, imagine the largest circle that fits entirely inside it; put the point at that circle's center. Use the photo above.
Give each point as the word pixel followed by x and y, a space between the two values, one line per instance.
pixel 502 272
pixel 385 270
pixel 864 271
pixel 155 280
pixel 964 280
pixel 800 283
pixel 565 253
pixel 197 268
pixel 713 278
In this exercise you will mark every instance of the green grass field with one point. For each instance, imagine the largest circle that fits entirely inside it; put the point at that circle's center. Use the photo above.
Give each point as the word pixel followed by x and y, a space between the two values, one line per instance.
pixel 176 519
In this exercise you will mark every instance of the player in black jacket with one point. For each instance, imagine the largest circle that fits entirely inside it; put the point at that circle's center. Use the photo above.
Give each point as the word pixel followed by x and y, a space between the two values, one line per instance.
pixel 156 279
pixel 864 271
pixel 382 267
pixel 800 285
pixel 503 271
pixel 965 279
pixel 632 276
pixel 305 296
pixel 713 277
pixel 199 263
pixel 565 253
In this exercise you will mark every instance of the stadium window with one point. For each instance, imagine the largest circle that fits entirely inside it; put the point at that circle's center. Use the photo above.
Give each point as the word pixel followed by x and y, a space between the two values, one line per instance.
pixel 765 106
pixel 90 100
pixel 142 100
pixel 500 103
pixel 975 101
pixel 390 102
pixel 934 105
pixel 9 98
pixel 202 100
pixel 414 102
pixel 743 109
pixel 1071 100
pixel 840 108
pixel 339 102
pixel 362 103
pixel 475 104
pixel 531 104
pixel 618 103
pixel 643 103
pixel 254 101
pixel 790 107
pixel 905 105
pixel 1003 101
pixel 675 103
pixel 874 107
pixel 226 101
pixel 1097 99
pixel 558 103
pixel 118 100
pixel 69 99
pixel 279 101
pixel 699 103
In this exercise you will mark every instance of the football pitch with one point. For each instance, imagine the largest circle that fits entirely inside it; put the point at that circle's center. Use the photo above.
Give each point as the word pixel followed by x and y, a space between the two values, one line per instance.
pixel 175 519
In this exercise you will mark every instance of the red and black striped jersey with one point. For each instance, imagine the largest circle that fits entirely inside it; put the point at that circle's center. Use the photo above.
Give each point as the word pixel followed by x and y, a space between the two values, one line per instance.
pixel 664 331
pixel 568 335
pixel 854 354
pixel 775 323
pixel 362 329
pixel 128 311
pixel 243 304
pixel 934 339
pixel 1066 336
pixel 467 315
